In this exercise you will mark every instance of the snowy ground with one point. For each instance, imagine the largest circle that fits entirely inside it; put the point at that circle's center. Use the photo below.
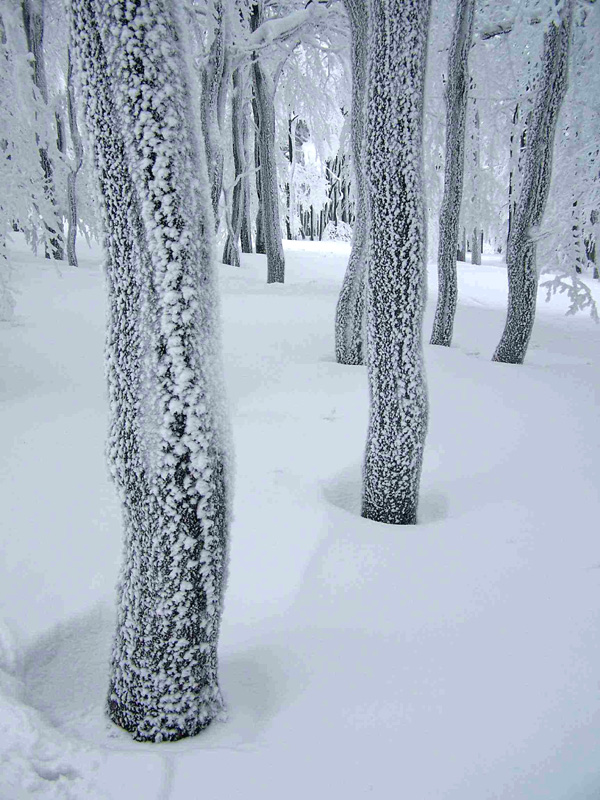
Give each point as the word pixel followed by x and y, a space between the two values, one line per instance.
pixel 455 660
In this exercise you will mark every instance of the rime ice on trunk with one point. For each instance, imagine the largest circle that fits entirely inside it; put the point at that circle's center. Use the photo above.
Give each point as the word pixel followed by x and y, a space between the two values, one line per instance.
pixel 397 260
pixel 167 438
pixel 529 209
pixel 456 114
pixel 350 307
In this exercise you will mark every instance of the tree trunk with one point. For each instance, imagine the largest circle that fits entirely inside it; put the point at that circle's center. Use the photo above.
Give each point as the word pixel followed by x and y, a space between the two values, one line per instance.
pixel 246 223
pixel 167 440
pixel 529 210
pixel 231 252
pixel 212 87
pixel 456 115
pixel 349 348
pixel 33 22
pixel 72 216
pixel 396 273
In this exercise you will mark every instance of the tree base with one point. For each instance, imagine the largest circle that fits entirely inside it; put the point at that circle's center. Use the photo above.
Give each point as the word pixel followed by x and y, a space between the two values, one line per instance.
pixel 141 731
pixel 390 516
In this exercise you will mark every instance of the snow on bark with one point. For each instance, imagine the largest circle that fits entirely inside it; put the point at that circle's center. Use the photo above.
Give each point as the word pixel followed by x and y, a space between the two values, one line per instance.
pixel 533 195
pixel 349 327
pixel 456 114
pixel 397 260
pixel 168 440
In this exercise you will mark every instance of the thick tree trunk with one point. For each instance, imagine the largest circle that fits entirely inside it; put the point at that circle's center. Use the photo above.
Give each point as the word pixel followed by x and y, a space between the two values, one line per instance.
pixel 349 347
pixel 529 210
pixel 167 443
pixel 396 273
pixel 456 115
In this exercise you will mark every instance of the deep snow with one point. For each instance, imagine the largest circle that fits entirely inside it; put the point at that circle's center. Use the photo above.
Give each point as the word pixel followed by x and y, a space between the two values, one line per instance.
pixel 455 660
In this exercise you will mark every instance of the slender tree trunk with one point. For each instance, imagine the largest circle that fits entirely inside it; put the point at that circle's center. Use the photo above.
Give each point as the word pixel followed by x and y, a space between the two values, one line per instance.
pixel 33 22
pixel 537 170
pixel 231 252
pixel 72 215
pixel 475 196
pixel 167 441
pixel 246 223
pixel 269 188
pixel 350 308
pixel 215 75
pixel 456 114
pixel 396 274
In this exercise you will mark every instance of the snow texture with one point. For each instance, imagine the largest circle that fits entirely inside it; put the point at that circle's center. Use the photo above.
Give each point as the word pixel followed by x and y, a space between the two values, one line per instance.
pixel 397 260
pixel 168 440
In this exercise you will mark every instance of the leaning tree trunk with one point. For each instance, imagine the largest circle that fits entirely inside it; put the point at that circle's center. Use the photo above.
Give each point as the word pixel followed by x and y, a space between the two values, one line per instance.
pixel 350 306
pixel 396 273
pixel 269 187
pixel 529 210
pixel 456 114
pixel 33 22
pixel 167 440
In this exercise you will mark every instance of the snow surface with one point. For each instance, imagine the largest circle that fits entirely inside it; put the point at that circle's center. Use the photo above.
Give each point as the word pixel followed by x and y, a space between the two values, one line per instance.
pixel 455 660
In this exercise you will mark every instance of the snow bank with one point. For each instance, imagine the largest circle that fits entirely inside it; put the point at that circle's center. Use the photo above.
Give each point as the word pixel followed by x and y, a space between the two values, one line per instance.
pixel 36 761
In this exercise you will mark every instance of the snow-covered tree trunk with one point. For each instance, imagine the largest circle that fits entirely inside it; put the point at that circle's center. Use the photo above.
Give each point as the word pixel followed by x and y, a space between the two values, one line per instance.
pixel 72 216
pixel 456 95
pixel 396 273
pixel 350 306
pixel 537 171
pixel 167 444
pixel 215 75
pixel 231 252
pixel 269 187
pixel 33 22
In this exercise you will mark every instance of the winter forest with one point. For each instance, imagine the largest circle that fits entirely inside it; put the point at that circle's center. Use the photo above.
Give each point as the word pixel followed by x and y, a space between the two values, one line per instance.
pixel 299 385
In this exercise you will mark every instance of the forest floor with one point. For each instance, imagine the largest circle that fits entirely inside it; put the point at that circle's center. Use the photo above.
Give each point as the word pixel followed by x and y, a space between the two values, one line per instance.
pixel 458 659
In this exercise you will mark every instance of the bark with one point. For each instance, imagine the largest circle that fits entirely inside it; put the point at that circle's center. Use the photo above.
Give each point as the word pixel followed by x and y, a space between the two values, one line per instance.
pixel 349 346
pixel 166 444
pixel 456 115
pixel 529 210
pixel 396 273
